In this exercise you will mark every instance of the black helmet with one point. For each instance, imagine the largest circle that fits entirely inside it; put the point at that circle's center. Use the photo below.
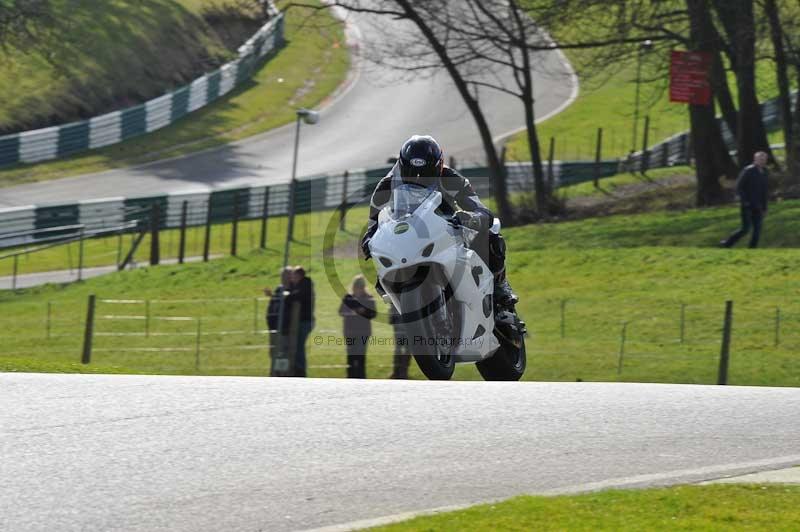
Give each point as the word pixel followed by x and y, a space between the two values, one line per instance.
pixel 421 158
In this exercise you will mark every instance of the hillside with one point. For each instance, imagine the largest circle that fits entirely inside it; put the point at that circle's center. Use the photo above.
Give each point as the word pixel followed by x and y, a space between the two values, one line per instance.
pixel 87 57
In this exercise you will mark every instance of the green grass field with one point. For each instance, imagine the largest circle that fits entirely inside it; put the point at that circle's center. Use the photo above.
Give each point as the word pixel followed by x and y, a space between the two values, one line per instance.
pixel 108 53
pixel 718 507
pixel 313 63
pixel 651 271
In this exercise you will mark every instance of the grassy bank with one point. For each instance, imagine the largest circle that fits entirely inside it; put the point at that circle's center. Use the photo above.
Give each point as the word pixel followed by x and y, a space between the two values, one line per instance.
pixel 740 507
pixel 311 65
pixel 87 58
pixel 656 272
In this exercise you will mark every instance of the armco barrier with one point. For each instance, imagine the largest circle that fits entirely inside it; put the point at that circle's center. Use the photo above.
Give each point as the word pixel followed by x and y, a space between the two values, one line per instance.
pixel 104 130
pixel 312 194
pixel 675 150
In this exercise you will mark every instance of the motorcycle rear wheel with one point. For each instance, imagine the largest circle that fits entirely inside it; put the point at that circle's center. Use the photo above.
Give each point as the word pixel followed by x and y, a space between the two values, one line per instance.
pixel 507 363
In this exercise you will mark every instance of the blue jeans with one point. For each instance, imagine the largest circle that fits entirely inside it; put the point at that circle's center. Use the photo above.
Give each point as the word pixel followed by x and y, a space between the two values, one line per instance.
pixel 751 217
pixel 304 328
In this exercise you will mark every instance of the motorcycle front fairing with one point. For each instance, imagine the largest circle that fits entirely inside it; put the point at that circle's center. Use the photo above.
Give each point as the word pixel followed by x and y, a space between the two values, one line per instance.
pixel 412 237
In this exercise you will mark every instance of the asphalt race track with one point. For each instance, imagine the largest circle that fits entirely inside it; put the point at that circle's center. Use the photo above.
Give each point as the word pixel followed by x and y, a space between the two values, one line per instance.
pixel 360 128
pixel 102 452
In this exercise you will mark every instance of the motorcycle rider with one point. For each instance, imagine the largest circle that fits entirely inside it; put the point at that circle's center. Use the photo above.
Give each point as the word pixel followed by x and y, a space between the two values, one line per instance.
pixel 421 163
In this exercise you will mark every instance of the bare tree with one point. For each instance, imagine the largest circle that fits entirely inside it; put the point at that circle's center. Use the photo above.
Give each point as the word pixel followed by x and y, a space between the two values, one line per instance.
pixel 428 53
pixel 497 44
pixel 710 152
pixel 738 20
pixel 781 72
pixel 676 25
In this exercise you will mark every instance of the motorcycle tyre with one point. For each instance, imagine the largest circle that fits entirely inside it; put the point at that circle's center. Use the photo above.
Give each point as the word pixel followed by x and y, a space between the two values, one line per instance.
pixel 433 367
pixel 508 363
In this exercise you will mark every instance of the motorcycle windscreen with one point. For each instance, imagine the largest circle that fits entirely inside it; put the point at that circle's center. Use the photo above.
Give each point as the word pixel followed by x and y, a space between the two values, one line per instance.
pixel 407 198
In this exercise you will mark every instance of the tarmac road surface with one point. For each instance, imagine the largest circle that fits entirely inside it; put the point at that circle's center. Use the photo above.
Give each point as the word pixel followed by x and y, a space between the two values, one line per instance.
pixel 102 452
pixel 363 126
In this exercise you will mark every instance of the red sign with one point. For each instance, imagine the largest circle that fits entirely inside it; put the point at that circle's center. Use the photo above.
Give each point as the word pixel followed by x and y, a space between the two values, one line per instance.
pixel 688 78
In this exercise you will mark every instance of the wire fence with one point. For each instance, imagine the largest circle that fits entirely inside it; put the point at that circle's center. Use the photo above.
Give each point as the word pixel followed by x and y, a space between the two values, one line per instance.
pixel 632 339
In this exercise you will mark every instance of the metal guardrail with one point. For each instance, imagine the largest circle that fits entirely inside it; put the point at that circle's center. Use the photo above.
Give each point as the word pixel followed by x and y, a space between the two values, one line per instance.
pixel 22 225
pixel 111 128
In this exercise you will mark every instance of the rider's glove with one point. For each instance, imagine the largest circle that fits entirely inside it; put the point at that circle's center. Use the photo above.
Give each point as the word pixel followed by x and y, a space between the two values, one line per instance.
pixel 467 219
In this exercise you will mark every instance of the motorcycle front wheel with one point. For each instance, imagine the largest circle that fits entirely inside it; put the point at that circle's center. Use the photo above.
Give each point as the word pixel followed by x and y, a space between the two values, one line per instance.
pixel 431 338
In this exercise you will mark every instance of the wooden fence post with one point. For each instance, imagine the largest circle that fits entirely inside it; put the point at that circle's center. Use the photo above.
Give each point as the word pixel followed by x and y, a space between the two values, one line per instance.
pixel 622 347
pixel 264 213
pixel 235 224
pixel 155 224
pixel 147 318
pixel 343 205
pixel 88 332
pixel 598 155
pixel 80 255
pixel 207 243
pixel 683 321
pixel 49 325
pixel 724 356
pixel 182 244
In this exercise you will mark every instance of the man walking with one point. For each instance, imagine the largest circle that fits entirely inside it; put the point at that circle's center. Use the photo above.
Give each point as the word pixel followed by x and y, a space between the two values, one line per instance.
pixel 751 187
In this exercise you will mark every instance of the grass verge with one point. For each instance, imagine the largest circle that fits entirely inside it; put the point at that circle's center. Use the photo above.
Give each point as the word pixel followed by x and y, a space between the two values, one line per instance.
pixel 88 57
pixel 311 66
pixel 757 507
pixel 657 275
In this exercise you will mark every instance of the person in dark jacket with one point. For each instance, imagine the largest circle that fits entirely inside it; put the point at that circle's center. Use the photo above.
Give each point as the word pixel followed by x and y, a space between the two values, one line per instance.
pixel 357 309
pixel 421 162
pixel 300 295
pixel 274 307
pixel 751 187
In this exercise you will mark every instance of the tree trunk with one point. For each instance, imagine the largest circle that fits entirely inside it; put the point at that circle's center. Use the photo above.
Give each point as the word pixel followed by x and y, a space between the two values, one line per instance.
pixel 722 93
pixel 785 97
pixel 738 18
pixel 539 187
pixel 526 87
pixel 705 137
pixel 711 156
pixel 497 170
pixel 794 148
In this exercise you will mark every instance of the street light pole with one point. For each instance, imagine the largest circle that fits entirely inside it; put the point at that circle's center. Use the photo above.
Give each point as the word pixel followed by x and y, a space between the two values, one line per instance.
pixel 293 184
pixel 644 46
pixel 283 367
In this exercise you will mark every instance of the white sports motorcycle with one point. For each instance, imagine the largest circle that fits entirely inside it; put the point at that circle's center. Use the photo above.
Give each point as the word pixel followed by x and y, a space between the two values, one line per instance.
pixel 443 289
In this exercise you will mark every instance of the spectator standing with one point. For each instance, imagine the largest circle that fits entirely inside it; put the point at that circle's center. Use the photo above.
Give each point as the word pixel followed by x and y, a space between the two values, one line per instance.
pixel 274 308
pixel 402 353
pixel 301 295
pixel 357 309
pixel 751 188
